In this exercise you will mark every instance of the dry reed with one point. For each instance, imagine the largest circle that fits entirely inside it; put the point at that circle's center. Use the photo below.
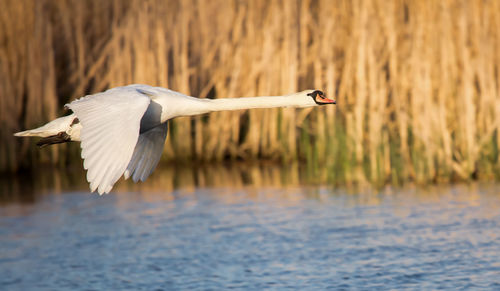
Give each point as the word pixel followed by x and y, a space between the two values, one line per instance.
pixel 417 82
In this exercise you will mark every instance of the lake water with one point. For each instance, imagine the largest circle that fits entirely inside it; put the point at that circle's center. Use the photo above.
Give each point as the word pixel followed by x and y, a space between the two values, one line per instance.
pixel 255 227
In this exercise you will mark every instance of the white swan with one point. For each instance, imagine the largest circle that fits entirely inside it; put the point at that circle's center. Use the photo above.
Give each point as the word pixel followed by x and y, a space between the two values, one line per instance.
pixel 123 130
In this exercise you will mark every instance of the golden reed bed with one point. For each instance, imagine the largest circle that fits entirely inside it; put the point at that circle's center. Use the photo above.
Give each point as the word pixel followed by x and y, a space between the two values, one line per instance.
pixel 417 82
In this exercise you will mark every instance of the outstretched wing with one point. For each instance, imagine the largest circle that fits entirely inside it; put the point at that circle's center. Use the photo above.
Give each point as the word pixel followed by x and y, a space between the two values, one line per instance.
pixel 110 129
pixel 147 153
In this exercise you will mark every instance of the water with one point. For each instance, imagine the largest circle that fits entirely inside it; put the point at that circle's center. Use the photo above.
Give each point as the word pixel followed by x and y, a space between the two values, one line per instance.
pixel 271 231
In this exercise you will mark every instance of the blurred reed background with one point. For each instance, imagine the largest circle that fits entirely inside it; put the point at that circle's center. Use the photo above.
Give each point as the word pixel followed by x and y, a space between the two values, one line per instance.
pixel 417 82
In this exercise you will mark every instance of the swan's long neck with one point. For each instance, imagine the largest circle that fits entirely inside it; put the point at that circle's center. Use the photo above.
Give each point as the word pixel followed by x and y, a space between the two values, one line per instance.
pixel 250 103
pixel 195 106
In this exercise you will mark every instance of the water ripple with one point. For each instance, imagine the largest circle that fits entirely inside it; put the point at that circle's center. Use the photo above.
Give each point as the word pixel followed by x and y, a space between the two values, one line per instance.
pixel 215 239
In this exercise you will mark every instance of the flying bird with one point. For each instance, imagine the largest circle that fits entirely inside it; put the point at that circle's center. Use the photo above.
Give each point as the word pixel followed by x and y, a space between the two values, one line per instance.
pixel 122 130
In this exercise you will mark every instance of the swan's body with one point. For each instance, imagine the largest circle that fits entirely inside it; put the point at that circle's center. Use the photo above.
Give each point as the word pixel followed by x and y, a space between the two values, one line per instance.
pixel 122 130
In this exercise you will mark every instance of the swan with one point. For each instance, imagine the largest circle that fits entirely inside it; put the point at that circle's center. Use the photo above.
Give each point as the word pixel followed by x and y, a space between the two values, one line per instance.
pixel 122 130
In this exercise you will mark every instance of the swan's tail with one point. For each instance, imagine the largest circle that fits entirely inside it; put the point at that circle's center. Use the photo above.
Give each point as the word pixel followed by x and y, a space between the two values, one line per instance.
pixel 60 130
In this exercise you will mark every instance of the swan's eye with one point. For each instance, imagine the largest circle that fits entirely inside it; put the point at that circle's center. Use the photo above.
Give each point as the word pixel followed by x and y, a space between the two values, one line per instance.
pixel 321 95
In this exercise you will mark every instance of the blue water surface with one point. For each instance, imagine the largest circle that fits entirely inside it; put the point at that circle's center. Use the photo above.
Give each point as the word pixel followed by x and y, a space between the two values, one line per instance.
pixel 305 238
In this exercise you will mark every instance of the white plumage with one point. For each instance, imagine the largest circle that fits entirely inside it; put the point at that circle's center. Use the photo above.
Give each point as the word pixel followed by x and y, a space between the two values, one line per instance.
pixel 147 153
pixel 110 130
pixel 122 130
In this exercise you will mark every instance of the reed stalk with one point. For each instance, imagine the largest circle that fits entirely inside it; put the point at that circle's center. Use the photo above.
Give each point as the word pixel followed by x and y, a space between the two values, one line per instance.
pixel 417 82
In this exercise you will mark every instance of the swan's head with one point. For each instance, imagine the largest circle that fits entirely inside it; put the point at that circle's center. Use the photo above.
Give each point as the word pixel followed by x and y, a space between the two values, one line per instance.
pixel 309 98
pixel 319 97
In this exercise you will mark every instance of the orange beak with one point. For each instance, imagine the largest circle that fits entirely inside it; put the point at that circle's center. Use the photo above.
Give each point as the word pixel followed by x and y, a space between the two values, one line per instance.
pixel 323 99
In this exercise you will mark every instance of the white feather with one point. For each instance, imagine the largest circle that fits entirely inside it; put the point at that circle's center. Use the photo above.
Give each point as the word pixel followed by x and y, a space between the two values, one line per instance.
pixel 109 134
pixel 147 153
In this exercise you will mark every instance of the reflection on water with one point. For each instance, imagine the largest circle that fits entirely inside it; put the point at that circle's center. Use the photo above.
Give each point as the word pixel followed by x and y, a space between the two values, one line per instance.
pixel 244 227
pixel 25 188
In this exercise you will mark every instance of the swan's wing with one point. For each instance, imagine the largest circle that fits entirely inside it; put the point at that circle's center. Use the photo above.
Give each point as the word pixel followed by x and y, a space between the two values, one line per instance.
pixel 110 129
pixel 147 153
